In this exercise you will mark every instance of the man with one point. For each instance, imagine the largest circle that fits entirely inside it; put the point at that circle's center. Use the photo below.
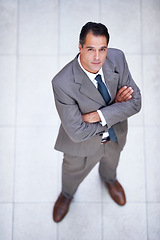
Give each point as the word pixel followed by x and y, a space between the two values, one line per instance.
pixel 94 96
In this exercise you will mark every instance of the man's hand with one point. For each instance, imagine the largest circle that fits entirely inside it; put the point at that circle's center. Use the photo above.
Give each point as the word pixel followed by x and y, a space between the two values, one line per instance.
pixel 92 117
pixel 124 94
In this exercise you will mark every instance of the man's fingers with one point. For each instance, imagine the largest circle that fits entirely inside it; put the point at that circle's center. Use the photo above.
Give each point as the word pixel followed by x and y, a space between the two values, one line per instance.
pixel 120 91
pixel 124 94
pixel 127 93
pixel 127 98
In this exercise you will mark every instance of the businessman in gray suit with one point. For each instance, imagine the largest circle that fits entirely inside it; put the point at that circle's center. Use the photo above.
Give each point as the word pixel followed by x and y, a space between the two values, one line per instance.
pixel 94 95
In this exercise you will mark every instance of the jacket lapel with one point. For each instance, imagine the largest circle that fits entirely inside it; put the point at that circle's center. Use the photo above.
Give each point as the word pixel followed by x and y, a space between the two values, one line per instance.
pixel 111 78
pixel 88 89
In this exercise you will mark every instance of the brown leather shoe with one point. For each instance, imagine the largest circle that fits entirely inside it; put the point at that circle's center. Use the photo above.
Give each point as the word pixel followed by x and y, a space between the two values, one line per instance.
pixel 61 207
pixel 117 193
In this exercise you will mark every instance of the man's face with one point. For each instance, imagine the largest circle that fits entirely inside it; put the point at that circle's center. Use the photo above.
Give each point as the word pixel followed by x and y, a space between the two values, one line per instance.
pixel 93 53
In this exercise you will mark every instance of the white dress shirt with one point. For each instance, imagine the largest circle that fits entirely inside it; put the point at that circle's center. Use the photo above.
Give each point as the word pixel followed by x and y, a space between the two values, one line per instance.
pixel 92 77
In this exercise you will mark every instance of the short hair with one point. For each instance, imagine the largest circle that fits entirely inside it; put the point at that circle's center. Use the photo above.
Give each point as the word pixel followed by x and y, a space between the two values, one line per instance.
pixel 97 29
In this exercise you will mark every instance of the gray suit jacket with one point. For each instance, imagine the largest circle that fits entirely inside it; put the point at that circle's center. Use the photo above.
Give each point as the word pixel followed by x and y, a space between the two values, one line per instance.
pixel 75 94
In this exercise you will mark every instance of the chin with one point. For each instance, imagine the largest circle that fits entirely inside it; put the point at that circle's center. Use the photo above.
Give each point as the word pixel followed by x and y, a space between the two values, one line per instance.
pixel 96 70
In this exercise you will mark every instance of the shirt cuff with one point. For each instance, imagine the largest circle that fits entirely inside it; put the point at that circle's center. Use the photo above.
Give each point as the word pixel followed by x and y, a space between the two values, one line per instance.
pixel 103 121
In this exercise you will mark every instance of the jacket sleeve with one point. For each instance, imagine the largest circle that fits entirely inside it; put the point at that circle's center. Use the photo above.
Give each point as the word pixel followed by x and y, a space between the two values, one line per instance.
pixel 118 112
pixel 71 117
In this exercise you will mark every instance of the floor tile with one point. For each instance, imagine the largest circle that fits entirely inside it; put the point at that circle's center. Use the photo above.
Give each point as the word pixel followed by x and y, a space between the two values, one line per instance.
pixel 151 89
pixel 8 27
pixel 82 222
pixel 123 223
pixel 38 27
pixel 36 165
pixel 35 95
pixel 72 30
pixel 65 59
pixel 152 143
pixel 5 221
pixel 34 221
pixel 123 21
pixel 137 119
pixel 59 172
pixel 131 169
pixel 6 164
pixel 132 166
pixel 8 90
pixel 135 67
pixel 151 26
pixel 154 221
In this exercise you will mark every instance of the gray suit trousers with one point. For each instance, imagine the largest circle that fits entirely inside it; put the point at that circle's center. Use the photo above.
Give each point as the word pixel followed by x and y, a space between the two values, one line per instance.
pixel 75 169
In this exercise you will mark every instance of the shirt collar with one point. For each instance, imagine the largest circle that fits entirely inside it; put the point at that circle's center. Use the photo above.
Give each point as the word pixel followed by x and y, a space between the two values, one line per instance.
pixel 89 74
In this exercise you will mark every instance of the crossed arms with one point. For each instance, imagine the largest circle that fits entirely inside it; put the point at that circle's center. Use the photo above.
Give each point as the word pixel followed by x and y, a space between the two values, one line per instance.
pixel 82 127
pixel 123 95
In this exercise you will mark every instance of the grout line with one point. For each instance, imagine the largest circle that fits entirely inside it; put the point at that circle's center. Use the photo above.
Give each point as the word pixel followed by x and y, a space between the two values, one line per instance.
pixel 57 125
pixel 73 54
pixel 100 12
pixel 58 67
pixel 58 180
pixel 144 137
pixel 102 210
pixel 15 131
pixel 78 203
pixel 29 126
pixel 59 36
pixel 102 223
pixel 30 55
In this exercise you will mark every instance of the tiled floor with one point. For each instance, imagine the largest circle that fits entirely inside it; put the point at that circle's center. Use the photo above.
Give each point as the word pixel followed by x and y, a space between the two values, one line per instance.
pixel 37 38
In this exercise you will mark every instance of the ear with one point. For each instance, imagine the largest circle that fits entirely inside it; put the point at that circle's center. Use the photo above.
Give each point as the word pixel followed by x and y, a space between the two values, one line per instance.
pixel 80 46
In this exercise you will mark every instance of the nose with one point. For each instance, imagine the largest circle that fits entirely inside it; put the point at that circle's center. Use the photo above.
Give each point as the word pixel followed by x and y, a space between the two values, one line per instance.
pixel 96 55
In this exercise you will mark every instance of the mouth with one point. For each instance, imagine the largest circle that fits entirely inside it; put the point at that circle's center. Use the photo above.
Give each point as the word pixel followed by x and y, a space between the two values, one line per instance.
pixel 96 63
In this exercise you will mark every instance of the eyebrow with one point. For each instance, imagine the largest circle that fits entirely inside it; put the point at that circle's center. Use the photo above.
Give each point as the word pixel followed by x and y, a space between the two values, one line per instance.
pixel 93 47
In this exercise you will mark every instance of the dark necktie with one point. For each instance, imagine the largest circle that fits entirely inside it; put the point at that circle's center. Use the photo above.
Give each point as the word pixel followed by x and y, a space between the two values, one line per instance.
pixel 105 94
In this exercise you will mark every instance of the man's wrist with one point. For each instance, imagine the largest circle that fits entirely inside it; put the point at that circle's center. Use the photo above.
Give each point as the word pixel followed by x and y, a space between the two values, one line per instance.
pixel 103 121
pixel 92 117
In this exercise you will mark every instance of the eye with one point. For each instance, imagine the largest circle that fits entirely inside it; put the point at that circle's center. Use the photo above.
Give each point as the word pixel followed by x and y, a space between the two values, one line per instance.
pixel 90 49
pixel 102 49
